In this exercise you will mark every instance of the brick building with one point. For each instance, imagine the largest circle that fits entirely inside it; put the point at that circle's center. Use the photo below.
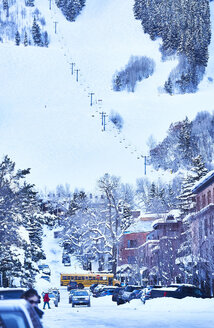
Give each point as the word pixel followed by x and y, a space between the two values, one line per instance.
pixel 130 254
pixel 202 228
pixel 159 251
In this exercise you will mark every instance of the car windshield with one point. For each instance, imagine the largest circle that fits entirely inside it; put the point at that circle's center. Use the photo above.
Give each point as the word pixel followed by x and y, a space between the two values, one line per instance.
pixel 81 293
pixel 13 319
pixel 10 294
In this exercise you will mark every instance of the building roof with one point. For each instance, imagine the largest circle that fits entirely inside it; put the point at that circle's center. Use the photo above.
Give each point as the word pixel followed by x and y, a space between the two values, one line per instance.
pixel 204 182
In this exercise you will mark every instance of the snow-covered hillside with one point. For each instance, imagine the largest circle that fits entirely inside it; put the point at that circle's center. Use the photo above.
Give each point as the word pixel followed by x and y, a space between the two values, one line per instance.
pixel 47 122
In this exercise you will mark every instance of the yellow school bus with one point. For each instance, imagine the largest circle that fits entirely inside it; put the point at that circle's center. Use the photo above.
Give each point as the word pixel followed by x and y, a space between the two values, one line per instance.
pixel 87 279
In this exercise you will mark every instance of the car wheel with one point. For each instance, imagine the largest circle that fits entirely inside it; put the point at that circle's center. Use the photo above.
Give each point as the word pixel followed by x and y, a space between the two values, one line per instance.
pixel 56 305
pixel 80 286
pixel 89 304
pixel 69 301
pixel 72 304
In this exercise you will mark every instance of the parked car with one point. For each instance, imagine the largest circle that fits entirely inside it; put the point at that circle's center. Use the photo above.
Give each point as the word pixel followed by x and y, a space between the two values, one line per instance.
pixel 72 291
pixel 146 294
pixel 18 314
pixel 66 259
pixel 56 292
pixel 11 293
pixel 124 296
pixel 41 266
pixel 136 294
pixel 53 299
pixel 92 287
pixel 46 269
pixel 80 297
pixel 72 285
pixel 118 291
pixel 47 278
pixel 177 292
pixel 107 290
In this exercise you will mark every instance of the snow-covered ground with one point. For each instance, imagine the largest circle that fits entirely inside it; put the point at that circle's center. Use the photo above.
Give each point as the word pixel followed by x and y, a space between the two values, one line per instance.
pixel 47 122
pixel 163 313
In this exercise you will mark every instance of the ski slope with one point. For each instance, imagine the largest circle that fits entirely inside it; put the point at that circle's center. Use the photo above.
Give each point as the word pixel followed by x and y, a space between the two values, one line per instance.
pixel 46 120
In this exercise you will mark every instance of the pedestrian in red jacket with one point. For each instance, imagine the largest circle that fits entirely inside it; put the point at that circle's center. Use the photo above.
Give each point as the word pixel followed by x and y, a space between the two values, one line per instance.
pixel 46 300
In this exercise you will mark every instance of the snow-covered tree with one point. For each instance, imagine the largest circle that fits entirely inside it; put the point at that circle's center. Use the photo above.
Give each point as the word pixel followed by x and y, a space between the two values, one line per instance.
pixel 25 39
pixel 36 32
pixel 17 38
pixel 186 198
pixel 21 222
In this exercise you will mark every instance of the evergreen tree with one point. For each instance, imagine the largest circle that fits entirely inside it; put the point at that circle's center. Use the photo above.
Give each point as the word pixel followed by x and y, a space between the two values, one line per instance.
pixel 45 39
pixel 168 86
pixel 186 197
pixel 29 3
pixel 36 33
pixel 25 39
pixel 17 38
pixel 21 222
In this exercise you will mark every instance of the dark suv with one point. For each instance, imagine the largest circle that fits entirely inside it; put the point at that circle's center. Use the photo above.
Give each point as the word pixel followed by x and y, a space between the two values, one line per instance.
pixel 72 285
pixel 181 291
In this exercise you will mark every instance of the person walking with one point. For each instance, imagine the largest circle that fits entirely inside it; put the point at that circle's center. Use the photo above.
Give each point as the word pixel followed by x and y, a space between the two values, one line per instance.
pixel 46 300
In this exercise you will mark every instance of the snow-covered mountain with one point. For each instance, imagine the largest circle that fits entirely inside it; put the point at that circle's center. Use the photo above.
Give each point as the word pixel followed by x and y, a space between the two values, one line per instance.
pixel 47 122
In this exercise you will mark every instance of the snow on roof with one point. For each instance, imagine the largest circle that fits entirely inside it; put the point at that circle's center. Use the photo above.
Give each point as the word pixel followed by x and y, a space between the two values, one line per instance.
pixel 199 184
pixel 139 226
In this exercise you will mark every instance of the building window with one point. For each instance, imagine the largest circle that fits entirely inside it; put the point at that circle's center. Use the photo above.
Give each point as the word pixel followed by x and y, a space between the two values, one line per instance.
pixel 206 227
pixel 211 225
pixel 209 197
pixel 131 260
pixel 132 243
pixel 198 203
pixel 203 201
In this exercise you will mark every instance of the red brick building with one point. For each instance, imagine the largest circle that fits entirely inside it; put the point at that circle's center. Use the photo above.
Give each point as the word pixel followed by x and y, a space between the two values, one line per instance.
pixel 202 228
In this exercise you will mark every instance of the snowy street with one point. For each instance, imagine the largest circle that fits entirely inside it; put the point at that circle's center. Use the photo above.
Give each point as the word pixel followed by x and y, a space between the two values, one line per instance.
pixel 155 313
pixel 167 312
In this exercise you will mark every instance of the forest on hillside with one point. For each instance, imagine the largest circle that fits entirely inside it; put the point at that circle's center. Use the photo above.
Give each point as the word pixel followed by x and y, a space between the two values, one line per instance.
pixel 184 27
pixel 186 140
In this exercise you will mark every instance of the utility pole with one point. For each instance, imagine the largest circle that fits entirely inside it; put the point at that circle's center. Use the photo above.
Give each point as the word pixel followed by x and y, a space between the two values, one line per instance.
pixel 77 70
pixel 145 163
pixel 91 94
pixel 104 122
pixel 103 113
pixel 50 4
pixel 72 68
pixel 55 23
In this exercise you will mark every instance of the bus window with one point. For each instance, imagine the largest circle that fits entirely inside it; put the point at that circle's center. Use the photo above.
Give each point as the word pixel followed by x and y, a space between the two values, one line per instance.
pixel 101 278
pixel 72 277
pixel 104 278
pixel 86 278
pixel 75 278
pixel 110 281
pixel 90 278
pixel 64 278
pixel 83 278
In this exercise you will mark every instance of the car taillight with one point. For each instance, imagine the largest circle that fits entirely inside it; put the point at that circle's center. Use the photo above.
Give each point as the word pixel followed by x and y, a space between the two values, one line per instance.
pixel 164 294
